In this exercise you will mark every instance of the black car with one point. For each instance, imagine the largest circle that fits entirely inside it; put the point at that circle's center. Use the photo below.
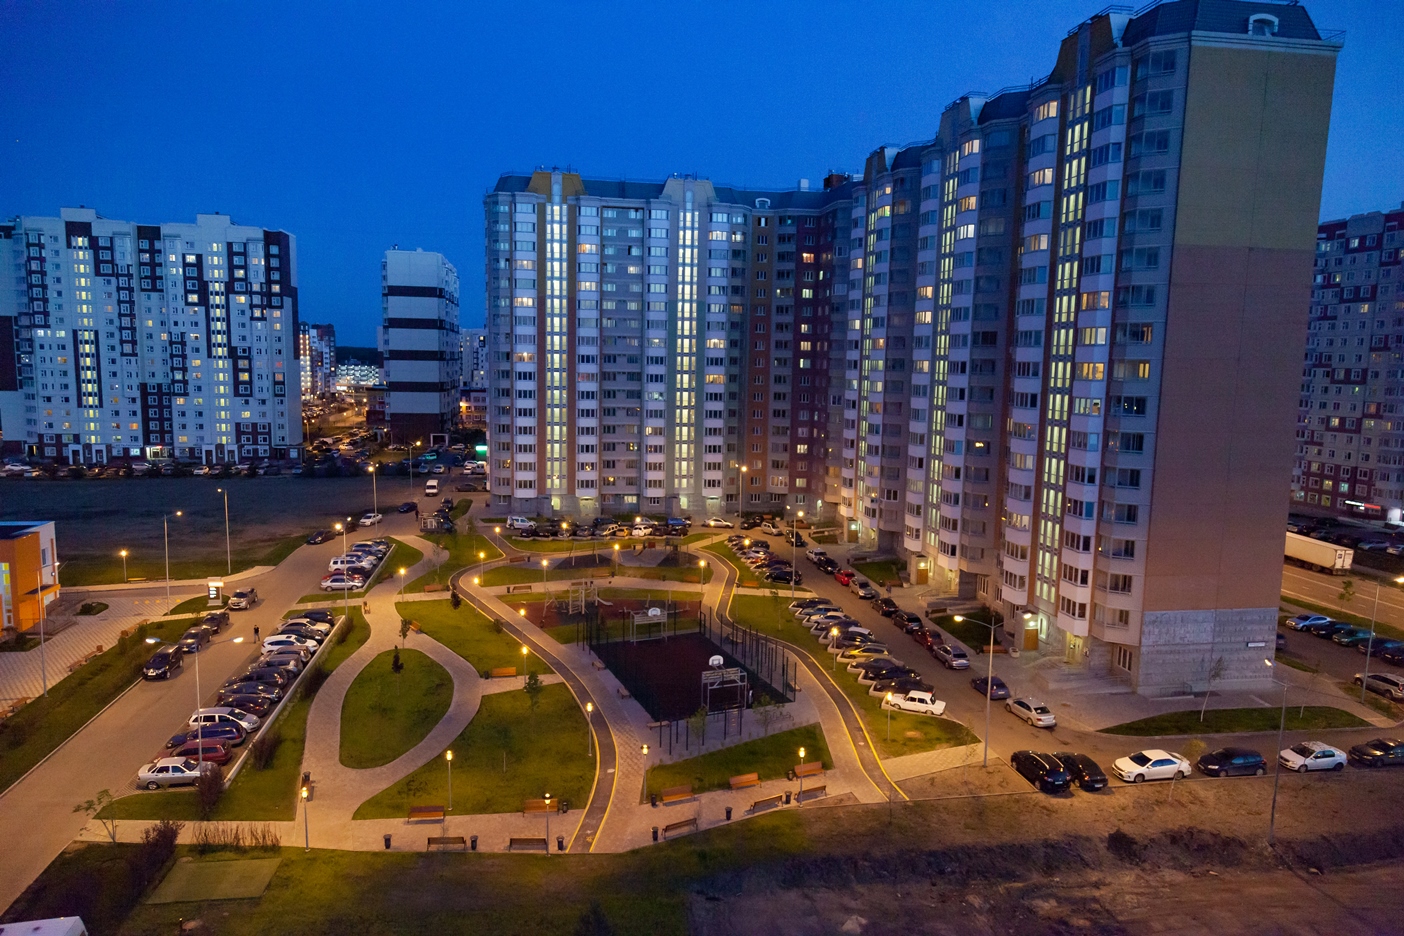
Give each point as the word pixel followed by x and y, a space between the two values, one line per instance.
pixel 884 606
pixel 827 565
pixel 902 684
pixel 163 663
pixel 1232 762
pixel 1393 655
pixel 1042 770
pixel 1328 630
pixel 406 507
pixel 748 523
pixel 218 620
pixel 271 675
pixel 1380 646
pixel 784 577
pixel 251 688
pixel 228 732
pixel 760 544
pixel 298 630
pixel 997 688
pixel 909 621
pixel 319 614
pixel 1082 769
pixel 259 705
pixel 1381 752
pixel 321 536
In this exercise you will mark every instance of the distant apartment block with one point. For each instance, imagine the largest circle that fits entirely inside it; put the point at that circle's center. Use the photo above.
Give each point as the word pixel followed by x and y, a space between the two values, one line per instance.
pixel 1350 427
pixel 317 355
pixel 358 367
pixel 419 339
pixel 475 357
pixel 156 341
pixel 1049 358
pixel 28 574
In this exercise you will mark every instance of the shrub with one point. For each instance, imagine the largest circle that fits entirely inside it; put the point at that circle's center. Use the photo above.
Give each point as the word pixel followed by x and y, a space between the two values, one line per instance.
pixel 262 751
pixel 158 844
pixel 313 681
pixel 1123 846
pixel 209 788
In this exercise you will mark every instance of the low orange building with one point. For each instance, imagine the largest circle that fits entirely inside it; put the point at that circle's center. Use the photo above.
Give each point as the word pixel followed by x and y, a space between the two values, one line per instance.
pixel 28 573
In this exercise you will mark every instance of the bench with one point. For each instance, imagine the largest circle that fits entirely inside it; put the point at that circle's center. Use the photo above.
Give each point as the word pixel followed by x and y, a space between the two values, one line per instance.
pixel 512 589
pixel 597 664
pixel 679 826
pixel 519 559
pixel 445 841
pixel 809 769
pixel 745 780
pixel 502 672
pixel 528 844
pixel 418 813
pixel 814 792
pixel 435 588
pixel 777 800
pixel 624 693
pixel 537 806
pixel 676 794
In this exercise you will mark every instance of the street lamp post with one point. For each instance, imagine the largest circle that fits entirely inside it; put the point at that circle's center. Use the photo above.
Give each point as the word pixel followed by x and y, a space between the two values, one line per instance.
pixel 589 729
pixel 526 654
pixel 794 548
pixel 833 639
pixel 345 592
pixel 645 757
pixel 888 706
pixel 123 554
pixel 228 556
pixel 401 574
pixel 306 829
pixel 1370 644
pixel 166 535
pixel 375 494
pixel 614 569
pixel 799 800
pixel 448 757
pixel 1277 773
pixel 547 798
pixel 989 685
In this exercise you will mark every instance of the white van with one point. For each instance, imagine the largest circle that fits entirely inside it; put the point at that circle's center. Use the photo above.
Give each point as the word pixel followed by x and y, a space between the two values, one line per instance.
pixel 431 488
pixel 771 528
pixel 519 523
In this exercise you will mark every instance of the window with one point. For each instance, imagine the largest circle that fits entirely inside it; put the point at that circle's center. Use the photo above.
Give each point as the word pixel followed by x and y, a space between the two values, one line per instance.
pixel 1153 103
pixel 1108 117
pixel 1157 63
pixel 1150 142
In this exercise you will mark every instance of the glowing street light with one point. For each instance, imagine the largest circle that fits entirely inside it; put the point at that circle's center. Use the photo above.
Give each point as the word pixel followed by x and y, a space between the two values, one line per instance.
pixel 306 831
pixel 448 756
pixel 799 801
pixel 123 554
pixel 589 729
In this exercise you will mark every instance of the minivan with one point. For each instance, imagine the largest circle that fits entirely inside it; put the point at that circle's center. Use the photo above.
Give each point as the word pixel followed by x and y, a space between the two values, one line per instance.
pixel 771 528
pixel 519 523
pixel 431 488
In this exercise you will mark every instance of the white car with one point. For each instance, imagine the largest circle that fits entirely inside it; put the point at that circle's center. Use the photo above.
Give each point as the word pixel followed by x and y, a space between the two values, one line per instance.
pixel 951 657
pixel 718 522
pixel 224 715
pixel 371 519
pixel 1312 755
pixel 815 554
pixel 172 771
pixel 289 642
pixel 1153 764
pixel 1032 711
pixel 201 471
pixel 243 600
pixel 915 701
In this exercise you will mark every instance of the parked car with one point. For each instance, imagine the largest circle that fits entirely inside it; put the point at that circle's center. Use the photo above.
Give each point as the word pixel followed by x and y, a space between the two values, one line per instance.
pixel 216 620
pixel 211 752
pixel 257 705
pixel 996 687
pixel 1084 770
pixel 289 641
pixel 319 537
pixel 1032 711
pixel 222 715
pixel 371 519
pixel 339 581
pixel 1353 637
pixel 748 523
pixel 863 652
pixel 884 606
pixel 1393 655
pixel 902 684
pixel 301 630
pixel 1379 646
pixel 319 627
pixel 800 604
pixel 909 621
pixel 319 614
pixel 1151 764
pixel 291 660
pixel 921 635
pixel 252 687
pixel 195 639
pixel 272 675
pixel 228 733
pixel 815 554
pixel 171 771
pixel 1381 752
pixel 1312 755
pixel 1328 630
pixel 243 600
pixel 718 522
pixel 1303 621
pixel 1386 684
pixel 916 701
pixel 863 589
pixel 1042 770
pixel 784 577
pixel 844 576
pixel 1232 762
pixel 164 663
pixel 826 565
pixel 950 657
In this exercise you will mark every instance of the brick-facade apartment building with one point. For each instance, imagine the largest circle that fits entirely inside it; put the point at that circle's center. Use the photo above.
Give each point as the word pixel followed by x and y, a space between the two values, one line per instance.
pixel 1049 357
pixel 155 341
pixel 420 344
pixel 1350 429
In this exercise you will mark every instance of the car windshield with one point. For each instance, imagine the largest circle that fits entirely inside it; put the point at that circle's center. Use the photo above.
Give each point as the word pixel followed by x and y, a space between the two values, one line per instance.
pixel 958 653
pixel 1303 750
pixel 1139 759
pixel 1041 709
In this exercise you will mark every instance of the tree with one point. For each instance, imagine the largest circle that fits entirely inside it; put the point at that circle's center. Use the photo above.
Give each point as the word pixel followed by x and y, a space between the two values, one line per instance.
pixel 96 805
pixel 697 724
pixel 404 631
pixel 396 666
pixel 533 687
pixel 454 600
pixel 767 710
pixel 1215 672
pixel 1347 593
pixel 209 788
pixel 593 922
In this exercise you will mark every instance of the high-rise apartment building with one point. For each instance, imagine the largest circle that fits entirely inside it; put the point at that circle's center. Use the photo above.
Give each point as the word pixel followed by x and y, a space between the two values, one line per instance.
pixel 475 357
pixel 1051 356
pixel 419 343
pixel 659 346
pixel 156 341
pixel 1350 434
pixel 317 354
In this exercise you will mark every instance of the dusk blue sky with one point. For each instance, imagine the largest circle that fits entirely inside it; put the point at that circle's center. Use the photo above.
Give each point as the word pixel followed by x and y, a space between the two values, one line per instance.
pixel 358 126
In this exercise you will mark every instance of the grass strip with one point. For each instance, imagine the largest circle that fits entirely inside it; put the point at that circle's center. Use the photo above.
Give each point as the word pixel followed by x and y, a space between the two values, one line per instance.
pixel 469 633
pixel 385 714
pixel 771 757
pixel 1238 720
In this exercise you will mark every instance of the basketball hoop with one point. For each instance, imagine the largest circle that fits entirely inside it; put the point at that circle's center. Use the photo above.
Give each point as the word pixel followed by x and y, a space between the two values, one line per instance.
pixel 716 662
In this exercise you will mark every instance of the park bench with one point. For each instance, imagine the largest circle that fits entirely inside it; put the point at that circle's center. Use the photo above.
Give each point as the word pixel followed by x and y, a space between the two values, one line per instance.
pixel 417 813
pixel 745 780
pixel 445 841
pixel 624 693
pixel 519 559
pixel 679 826
pixel 537 806
pixel 435 587
pixel 16 705
pixel 528 844
pixel 414 626
pixel 809 769
pixel 502 672
pixel 766 803
pixel 513 589
pixel 676 794
pixel 814 792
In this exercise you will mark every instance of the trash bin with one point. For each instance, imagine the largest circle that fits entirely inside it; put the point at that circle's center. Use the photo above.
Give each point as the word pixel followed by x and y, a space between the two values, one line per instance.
pixel 560 843
pixel 653 800
pixel 655 833
pixel 387 841
pixel 728 814
pixel 787 797
pixel 564 807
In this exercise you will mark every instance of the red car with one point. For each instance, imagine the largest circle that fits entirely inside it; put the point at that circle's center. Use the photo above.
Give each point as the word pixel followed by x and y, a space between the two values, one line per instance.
pixel 844 576
pixel 215 752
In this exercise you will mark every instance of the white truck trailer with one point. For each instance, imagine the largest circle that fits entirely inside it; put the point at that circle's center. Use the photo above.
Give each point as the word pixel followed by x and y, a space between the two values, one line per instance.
pixel 1319 554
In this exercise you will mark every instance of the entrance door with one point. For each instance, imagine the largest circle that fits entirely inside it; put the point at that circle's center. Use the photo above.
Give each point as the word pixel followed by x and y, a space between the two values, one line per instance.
pixel 1072 652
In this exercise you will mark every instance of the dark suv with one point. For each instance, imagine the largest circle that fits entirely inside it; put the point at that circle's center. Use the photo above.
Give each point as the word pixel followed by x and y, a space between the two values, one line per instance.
pixel 163 663
pixel 1232 762
pixel 1042 770
pixel 1082 769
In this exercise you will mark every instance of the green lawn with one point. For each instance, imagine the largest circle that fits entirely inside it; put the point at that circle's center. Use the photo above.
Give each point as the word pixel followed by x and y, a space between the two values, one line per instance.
pixel 269 794
pixel 386 714
pixel 529 573
pixel 102 570
pixel 464 549
pixel 770 757
pixel 468 633
pixel 910 734
pixel 970 631
pixel 197 605
pixel 880 573
pixel 92 607
pixel 506 755
pixel 45 723
pixel 1231 721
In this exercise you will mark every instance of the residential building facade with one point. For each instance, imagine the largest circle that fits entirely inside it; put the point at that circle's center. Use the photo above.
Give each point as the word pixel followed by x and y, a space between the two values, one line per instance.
pixel 28 574
pixel 419 341
pixel 475 357
pixel 317 354
pixel 1350 429
pixel 155 341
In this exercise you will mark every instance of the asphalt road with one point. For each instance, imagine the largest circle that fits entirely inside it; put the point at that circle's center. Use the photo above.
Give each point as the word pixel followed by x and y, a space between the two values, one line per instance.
pixel 1325 590
pixel 36 814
